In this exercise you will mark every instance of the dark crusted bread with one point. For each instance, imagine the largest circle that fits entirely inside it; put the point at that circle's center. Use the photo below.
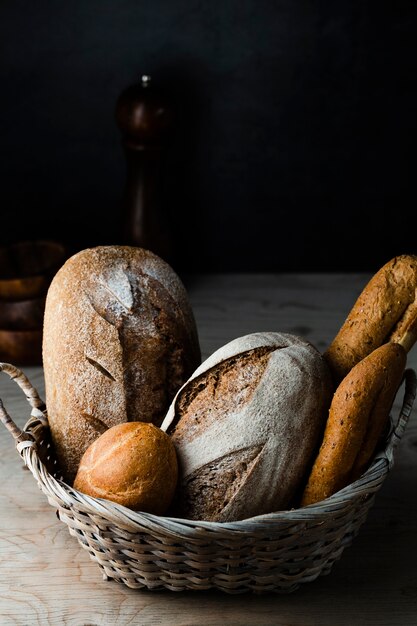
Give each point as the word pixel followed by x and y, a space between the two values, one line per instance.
pixel 119 340
pixel 246 425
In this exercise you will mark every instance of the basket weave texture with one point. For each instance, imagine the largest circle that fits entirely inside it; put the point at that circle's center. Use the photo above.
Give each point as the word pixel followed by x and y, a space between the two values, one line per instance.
pixel 269 553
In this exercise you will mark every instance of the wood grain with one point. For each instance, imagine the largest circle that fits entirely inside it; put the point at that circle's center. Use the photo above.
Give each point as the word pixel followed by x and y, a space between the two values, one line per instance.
pixel 47 579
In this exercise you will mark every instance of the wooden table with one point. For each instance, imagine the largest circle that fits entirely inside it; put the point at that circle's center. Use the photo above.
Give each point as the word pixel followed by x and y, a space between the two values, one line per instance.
pixel 46 578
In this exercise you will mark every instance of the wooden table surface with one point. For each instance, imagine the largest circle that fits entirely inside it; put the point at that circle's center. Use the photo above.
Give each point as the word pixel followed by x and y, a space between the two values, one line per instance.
pixel 46 578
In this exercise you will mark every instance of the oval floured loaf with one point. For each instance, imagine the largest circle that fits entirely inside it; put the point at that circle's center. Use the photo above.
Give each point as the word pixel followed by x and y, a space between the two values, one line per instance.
pixel 119 340
pixel 246 426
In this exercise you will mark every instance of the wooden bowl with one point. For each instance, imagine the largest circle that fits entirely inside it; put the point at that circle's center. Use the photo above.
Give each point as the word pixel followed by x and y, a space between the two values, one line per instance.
pixel 22 314
pixel 23 347
pixel 27 268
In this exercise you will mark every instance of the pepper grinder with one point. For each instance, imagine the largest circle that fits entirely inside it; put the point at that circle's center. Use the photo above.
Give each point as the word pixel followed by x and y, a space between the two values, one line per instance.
pixel 144 117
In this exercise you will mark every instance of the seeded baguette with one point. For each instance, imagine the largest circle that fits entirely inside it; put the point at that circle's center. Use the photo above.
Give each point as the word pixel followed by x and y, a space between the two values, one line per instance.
pixel 386 310
pixel 358 414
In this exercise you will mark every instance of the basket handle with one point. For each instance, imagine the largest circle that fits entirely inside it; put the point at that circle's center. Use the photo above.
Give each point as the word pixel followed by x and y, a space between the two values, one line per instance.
pixel 32 397
pixel 410 379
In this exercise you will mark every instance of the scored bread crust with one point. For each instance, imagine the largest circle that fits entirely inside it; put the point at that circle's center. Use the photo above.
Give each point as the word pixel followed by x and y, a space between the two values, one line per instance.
pixel 119 340
pixel 245 426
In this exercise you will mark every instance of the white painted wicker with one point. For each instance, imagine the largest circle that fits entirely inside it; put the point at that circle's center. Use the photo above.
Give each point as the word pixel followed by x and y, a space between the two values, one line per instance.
pixel 269 553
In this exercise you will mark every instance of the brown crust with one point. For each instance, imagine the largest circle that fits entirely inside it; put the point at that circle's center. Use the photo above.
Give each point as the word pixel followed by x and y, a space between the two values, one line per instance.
pixel 358 414
pixel 133 464
pixel 386 310
pixel 207 398
pixel 202 403
pixel 246 427
pixel 119 340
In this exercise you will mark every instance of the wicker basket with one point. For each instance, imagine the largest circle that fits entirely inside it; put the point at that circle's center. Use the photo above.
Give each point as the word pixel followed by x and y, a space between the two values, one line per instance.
pixel 268 553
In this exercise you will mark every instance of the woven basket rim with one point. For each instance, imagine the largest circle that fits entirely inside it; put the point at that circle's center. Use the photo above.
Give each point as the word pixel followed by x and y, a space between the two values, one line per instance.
pixel 368 483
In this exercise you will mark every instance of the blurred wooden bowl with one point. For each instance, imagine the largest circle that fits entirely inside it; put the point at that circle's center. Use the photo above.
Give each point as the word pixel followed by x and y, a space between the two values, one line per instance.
pixel 21 347
pixel 17 288
pixel 27 268
pixel 22 314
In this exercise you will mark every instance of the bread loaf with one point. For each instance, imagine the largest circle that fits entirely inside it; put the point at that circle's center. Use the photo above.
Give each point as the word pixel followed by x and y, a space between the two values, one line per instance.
pixel 133 464
pixel 245 426
pixel 119 340
pixel 386 310
pixel 358 413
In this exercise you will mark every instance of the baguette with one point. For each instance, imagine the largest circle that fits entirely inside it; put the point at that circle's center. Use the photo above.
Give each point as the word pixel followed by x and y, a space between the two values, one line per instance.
pixel 119 340
pixel 386 310
pixel 358 414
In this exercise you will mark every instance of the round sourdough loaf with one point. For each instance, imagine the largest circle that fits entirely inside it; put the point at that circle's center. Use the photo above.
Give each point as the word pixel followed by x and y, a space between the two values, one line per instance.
pixel 119 340
pixel 246 426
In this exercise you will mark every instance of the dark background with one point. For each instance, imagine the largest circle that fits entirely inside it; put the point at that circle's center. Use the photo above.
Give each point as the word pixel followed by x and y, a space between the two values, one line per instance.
pixel 295 140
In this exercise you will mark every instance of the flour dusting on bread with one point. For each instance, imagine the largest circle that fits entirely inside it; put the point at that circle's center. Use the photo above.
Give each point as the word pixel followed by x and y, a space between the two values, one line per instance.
pixel 119 340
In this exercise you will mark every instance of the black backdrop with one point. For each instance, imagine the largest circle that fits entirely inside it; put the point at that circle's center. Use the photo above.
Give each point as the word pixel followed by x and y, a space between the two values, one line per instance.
pixel 297 142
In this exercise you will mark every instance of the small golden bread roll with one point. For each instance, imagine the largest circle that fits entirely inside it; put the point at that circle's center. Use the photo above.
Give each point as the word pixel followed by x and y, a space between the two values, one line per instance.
pixel 358 415
pixel 386 310
pixel 133 464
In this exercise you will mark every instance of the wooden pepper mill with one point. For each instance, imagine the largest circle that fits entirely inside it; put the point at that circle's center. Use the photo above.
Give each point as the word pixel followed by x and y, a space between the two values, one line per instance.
pixel 144 118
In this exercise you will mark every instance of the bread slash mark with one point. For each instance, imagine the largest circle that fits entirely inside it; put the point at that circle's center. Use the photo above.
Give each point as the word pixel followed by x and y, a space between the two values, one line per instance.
pixel 207 491
pixel 113 301
pixel 124 295
pixel 99 426
pixel 223 389
pixel 100 368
